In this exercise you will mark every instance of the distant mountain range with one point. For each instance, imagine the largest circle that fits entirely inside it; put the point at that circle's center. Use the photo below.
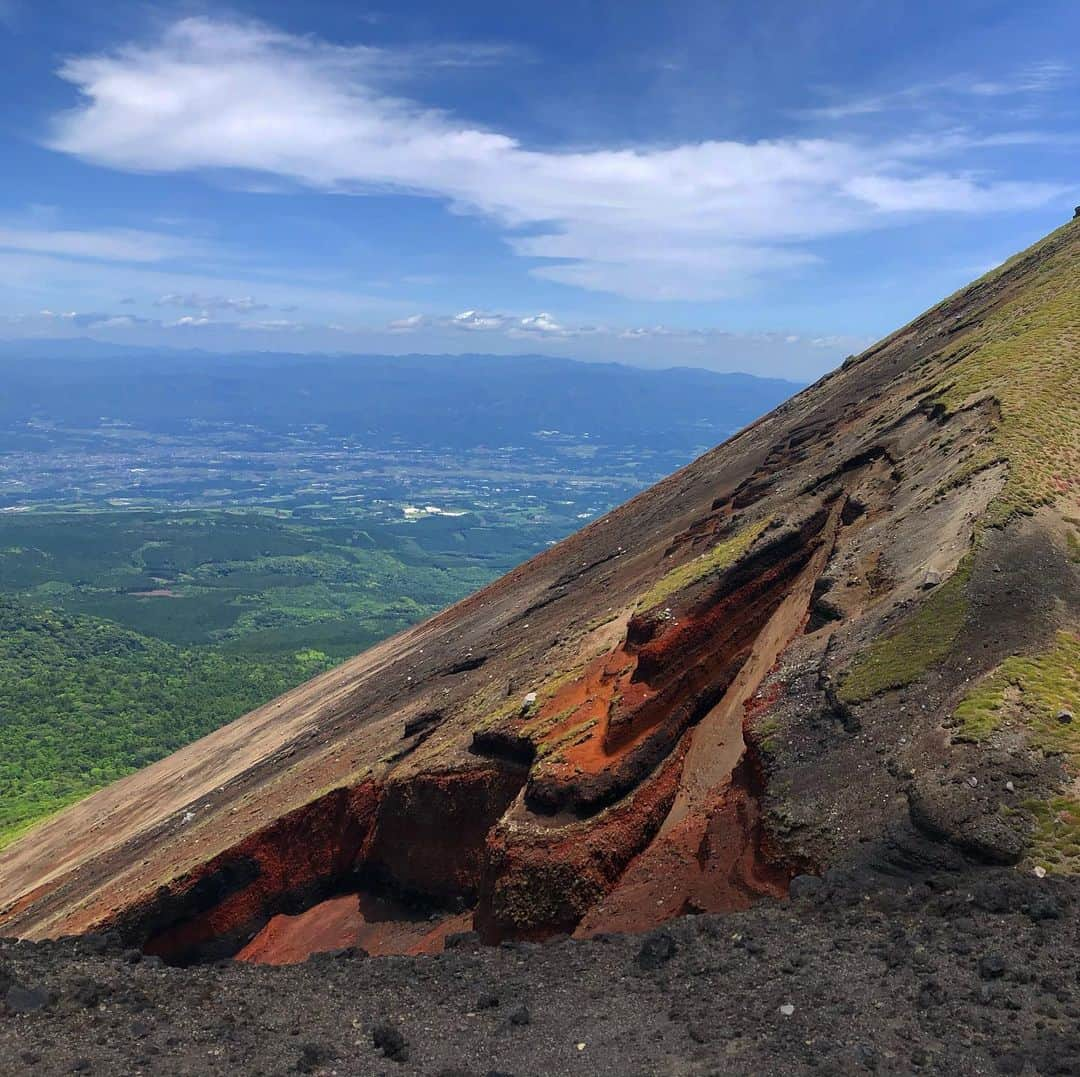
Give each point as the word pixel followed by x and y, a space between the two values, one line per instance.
pixel 457 401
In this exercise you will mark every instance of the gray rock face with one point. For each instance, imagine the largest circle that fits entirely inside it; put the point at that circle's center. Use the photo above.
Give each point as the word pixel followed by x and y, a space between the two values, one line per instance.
pixel 21 999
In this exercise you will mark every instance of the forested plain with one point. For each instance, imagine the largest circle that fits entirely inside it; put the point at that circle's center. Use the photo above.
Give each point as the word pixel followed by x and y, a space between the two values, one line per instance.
pixel 125 635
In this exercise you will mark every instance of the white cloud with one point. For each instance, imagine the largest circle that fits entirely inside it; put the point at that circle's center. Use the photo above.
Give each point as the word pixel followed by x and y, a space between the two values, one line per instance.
pixel 272 325
pixel 798 355
pixel 189 321
pixel 195 301
pixel 116 321
pixel 1042 77
pixel 407 325
pixel 87 320
pixel 694 221
pixel 476 320
pixel 37 280
pixel 544 326
pixel 540 323
pixel 513 326
pixel 942 193
pixel 202 320
pixel 107 245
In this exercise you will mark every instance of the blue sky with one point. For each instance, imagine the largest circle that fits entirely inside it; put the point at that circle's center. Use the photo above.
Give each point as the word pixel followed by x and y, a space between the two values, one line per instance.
pixel 756 187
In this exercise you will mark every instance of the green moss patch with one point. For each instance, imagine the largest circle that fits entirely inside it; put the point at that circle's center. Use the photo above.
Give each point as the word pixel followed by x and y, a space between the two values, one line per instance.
pixel 1035 690
pixel 723 555
pixel 1041 687
pixel 1055 842
pixel 1026 355
pixel 921 642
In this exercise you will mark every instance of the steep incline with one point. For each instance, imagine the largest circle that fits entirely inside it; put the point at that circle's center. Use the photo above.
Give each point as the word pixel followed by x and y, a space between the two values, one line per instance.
pixel 799 651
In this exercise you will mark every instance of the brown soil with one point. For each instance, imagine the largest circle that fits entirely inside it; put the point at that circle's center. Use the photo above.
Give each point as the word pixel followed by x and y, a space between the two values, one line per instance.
pixel 375 925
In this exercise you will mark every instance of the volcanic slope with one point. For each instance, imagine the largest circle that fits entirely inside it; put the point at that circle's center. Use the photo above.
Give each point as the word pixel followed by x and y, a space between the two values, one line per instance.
pixel 845 638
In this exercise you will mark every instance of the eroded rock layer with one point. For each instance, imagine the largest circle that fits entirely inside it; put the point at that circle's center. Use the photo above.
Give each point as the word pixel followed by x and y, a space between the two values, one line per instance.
pixel 847 635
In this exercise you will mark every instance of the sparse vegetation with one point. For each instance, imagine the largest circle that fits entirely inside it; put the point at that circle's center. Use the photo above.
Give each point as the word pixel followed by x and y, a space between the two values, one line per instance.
pixel 1035 690
pixel 766 734
pixel 724 554
pixel 1025 355
pixel 550 749
pixel 1055 841
pixel 918 644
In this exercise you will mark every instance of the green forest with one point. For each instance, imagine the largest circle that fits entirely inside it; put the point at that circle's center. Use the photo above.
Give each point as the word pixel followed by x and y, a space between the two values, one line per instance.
pixel 84 701
pixel 126 635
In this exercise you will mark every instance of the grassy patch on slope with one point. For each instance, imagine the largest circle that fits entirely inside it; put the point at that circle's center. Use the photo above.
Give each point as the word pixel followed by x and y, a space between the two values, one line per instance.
pixel 1027 355
pixel 1039 688
pixel 721 556
pixel 1055 842
pixel 1043 685
pixel 920 642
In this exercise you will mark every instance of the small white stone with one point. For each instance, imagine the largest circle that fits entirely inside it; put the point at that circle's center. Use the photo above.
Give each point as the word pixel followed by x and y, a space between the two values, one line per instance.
pixel 580 1046
pixel 787 1009
pixel 1040 872
pixel 1010 787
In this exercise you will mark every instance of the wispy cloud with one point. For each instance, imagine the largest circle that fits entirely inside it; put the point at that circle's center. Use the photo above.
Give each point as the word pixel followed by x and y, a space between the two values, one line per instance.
pixel 108 245
pixel 59 281
pixel 694 221
pixel 793 354
pixel 100 320
pixel 970 89
pixel 83 319
pixel 195 301
pixel 278 325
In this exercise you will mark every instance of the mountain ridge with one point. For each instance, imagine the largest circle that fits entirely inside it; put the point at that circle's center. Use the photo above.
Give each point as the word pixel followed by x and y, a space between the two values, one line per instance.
pixel 834 582
pixel 458 401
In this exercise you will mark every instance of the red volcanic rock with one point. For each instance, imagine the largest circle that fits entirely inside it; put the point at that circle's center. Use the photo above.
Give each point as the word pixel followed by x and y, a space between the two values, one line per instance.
pixel 230 895
pixel 541 879
pixel 357 922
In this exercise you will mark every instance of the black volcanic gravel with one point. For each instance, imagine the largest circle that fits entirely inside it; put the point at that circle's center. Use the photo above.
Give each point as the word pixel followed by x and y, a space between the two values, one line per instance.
pixel 971 974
